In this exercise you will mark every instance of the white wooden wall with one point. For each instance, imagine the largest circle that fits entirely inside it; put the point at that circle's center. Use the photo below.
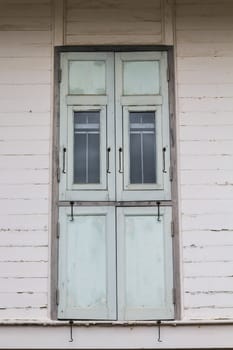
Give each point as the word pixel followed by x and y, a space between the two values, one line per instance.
pixel 25 78
pixel 204 60
pixel 113 22
pixel 205 89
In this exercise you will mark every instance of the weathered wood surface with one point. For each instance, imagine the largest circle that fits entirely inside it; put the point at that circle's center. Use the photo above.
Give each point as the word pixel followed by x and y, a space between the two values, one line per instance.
pixel 25 95
pixel 205 76
pixel 113 22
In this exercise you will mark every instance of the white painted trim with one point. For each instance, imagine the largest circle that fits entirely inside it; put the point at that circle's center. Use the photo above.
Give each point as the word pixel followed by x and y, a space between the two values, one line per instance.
pixel 118 337
pixel 58 29
pixel 167 7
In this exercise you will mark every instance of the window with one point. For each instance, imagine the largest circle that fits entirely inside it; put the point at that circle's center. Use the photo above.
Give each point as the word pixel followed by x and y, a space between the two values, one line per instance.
pixel 115 248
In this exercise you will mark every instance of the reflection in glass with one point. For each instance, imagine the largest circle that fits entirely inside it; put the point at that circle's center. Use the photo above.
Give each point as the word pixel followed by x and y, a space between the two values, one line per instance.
pixel 87 147
pixel 142 147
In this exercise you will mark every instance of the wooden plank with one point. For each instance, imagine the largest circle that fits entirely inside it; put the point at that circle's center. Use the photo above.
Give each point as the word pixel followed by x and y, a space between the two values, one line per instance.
pixel 202 253
pixel 206 162
pixel 105 39
pixel 24 162
pixel 207 205
pixel 24 222
pixel 215 237
pixel 24 206
pixel 217 192
pixel 21 191
pixel 208 284
pixel 202 50
pixel 211 313
pixel 24 147
pixel 23 269
pixel 113 28
pixel 205 269
pixel 25 133
pixel 28 313
pixel 24 238
pixel 205 118
pixel 27 254
pixel 205 10
pixel 206 177
pixel 12 285
pixel 24 177
pixel 24 119
pixel 21 9
pixel 114 14
pixel 31 23
pixel 190 22
pixel 23 300
pixel 211 133
pixel 211 147
pixel 213 221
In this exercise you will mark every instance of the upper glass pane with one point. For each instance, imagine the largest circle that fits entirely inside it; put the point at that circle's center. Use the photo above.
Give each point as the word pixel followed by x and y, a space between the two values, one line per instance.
pixel 142 147
pixel 141 78
pixel 87 147
pixel 87 78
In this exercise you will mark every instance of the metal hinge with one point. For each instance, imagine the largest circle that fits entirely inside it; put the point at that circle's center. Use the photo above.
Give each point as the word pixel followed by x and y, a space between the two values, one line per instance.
pixel 59 75
pixel 57 296
pixel 168 74
pixel 58 230
pixel 173 295
pixel 172 229
pixel 171 173
pixel 58 174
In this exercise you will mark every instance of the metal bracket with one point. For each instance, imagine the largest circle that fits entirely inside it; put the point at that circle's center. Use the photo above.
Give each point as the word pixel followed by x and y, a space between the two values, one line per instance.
pixel 159 332
pixel 71 211
pixel 158 212
pixel 71 331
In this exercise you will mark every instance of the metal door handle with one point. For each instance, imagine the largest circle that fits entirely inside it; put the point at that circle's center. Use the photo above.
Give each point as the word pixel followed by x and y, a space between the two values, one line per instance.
pixel 164 160
pixel 64 160
pixel 120 160
pixel 108 160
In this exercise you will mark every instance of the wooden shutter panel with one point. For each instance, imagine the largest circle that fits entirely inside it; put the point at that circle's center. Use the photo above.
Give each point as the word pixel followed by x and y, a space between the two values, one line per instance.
pixel 144 264
pixel 87 284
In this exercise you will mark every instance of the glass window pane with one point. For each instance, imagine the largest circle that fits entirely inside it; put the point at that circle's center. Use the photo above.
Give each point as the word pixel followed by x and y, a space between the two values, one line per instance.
pixel 86 262
pixel 145 279
pixel 87 147
pixel 142 147
pixel 87 78
pixel 141 78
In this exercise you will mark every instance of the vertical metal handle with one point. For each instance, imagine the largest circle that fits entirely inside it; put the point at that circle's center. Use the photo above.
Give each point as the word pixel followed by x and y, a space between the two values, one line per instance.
pixel 120 160
pixel 64 160
pixel 108 160
pixel 164 161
